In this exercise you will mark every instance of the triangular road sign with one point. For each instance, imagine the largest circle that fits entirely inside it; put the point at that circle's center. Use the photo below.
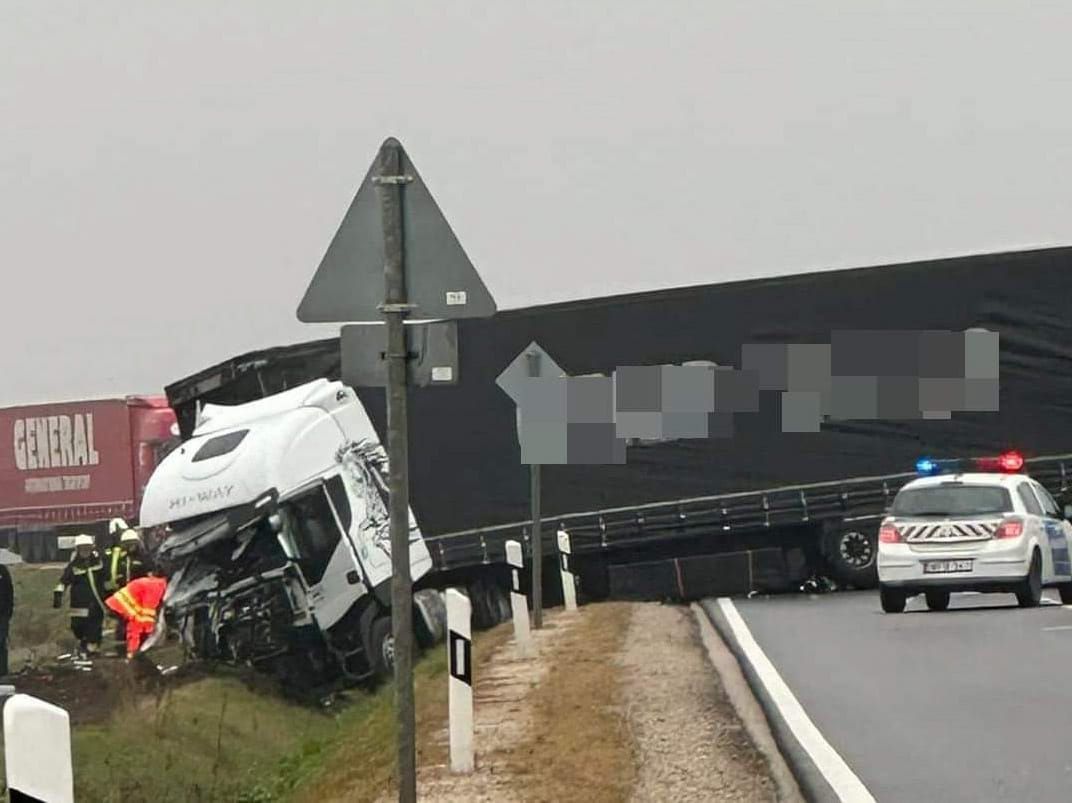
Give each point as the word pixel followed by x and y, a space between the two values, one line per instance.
pixel 440 280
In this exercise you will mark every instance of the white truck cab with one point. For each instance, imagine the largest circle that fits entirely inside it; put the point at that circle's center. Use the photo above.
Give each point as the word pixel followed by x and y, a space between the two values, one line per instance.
pixel 278 549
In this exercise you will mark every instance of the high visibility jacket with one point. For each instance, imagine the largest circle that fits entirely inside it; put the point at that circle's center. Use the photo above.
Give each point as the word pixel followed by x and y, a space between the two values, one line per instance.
pixel 137 604
pixel 123 566
pixel 84 576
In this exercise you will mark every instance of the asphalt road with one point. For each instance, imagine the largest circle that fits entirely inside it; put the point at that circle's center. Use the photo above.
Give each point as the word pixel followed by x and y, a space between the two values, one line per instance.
pixel 974 704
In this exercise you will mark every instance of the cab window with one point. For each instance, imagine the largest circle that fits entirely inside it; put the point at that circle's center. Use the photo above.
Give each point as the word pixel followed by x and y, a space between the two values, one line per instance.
pixel 1027 496
pixel 315 533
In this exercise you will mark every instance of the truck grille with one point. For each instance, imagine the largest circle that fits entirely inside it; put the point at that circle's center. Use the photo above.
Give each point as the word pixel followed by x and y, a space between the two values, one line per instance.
pixel 948 531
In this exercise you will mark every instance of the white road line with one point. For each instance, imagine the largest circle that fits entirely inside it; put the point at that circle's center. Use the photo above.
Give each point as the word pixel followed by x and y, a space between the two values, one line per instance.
pixel 1059 627
pixel 837 773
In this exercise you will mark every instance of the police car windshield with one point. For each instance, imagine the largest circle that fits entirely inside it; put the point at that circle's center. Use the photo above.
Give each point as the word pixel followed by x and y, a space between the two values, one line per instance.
pixel 958 500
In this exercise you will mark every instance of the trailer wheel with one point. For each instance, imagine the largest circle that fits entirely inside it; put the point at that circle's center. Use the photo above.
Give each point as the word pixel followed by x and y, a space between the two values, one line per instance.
pixel 382 644
pixel 851 555
pixel 506 612
pixel 488 607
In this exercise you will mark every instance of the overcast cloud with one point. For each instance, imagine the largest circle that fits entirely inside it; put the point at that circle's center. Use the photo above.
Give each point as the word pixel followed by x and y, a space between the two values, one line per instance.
pixel 171 173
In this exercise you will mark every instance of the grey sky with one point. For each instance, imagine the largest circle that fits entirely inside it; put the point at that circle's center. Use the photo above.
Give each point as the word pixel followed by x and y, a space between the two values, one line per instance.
pixel 171 173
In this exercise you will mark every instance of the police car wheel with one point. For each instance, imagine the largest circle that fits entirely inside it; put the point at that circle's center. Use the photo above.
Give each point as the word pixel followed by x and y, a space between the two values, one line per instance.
pixel 1065 589
pixel 937 600
pixel 893 601
pixel 1029 594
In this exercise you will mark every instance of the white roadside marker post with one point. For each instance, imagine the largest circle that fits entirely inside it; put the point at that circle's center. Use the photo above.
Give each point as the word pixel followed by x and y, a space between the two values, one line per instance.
pixel 37 750
pixel 569 590
pixel 518 604
pixel 460 656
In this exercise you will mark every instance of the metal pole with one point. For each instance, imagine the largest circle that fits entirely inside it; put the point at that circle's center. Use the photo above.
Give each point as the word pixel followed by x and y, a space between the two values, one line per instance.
pixel 395 309
pixel 537 550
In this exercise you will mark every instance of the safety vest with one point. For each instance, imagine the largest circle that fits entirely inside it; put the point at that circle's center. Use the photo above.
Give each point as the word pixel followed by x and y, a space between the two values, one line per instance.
pixel 139 599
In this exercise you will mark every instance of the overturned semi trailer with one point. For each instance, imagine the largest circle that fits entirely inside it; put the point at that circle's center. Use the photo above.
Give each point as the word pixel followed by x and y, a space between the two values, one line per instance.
pixel 466 474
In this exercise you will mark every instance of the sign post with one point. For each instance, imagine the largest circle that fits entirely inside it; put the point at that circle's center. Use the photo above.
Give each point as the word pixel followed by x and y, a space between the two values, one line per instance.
pixel 395 237
pixel 517 381
pixel 395 309
pixel 537 548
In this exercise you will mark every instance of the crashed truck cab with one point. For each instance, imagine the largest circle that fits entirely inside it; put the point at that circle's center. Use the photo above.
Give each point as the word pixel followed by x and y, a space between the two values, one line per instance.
pixel 278 546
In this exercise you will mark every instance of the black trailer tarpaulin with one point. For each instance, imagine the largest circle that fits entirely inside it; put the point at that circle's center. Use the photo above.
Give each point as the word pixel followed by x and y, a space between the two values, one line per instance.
pixel 466 469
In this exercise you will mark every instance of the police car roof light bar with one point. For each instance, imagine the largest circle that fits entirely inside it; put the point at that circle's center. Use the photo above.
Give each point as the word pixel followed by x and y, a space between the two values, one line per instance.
pixel 1007 463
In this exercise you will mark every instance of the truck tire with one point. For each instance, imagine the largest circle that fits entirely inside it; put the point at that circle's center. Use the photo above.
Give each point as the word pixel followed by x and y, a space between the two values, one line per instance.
pixel 851 554
pixel 382 646
pixel 893 600
pixel 1029 595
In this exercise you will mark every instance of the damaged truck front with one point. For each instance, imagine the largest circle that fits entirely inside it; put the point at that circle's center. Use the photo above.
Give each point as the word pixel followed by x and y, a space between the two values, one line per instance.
pixel 278 549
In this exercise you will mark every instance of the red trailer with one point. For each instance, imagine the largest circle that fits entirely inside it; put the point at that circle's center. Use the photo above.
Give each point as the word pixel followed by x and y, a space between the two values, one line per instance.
pixel 70 467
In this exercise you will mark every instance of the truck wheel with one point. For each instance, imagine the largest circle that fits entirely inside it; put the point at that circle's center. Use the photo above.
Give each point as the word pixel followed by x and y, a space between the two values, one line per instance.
pixel 382 644
pixel 1029 595
pixel 851 555
pixel 937 600
pixel 893 601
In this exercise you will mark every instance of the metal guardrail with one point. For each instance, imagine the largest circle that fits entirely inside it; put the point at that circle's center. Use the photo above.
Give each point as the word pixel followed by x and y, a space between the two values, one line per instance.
pixel 854 498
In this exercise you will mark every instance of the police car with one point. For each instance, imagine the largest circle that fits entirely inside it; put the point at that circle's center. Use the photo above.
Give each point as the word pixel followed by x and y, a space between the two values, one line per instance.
pixel 975 525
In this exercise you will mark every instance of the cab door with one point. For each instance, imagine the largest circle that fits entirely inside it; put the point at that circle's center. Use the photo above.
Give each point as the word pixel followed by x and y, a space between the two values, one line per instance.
pixel 1058 532
pixel 369 527
pixel 325 556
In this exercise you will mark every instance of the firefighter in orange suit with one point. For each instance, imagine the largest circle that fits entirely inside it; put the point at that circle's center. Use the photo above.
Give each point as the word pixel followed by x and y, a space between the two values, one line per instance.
pixel 136 604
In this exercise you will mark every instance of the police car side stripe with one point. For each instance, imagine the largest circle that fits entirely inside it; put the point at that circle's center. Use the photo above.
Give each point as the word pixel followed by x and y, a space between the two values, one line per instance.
pixel 829 762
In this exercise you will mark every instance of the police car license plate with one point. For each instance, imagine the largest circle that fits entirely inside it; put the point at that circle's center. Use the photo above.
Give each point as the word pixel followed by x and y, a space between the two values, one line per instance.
pixel 946 566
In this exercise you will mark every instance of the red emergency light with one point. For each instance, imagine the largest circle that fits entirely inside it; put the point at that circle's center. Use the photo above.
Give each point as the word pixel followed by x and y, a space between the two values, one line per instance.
pixel 1010 463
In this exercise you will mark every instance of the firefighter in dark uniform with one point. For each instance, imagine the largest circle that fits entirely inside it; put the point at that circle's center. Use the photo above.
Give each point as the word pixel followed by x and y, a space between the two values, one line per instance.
pixel 84 575
pixel 128 560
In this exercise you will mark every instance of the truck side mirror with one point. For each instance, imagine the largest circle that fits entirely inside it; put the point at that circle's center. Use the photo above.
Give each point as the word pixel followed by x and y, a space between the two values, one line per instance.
pixel 1068 512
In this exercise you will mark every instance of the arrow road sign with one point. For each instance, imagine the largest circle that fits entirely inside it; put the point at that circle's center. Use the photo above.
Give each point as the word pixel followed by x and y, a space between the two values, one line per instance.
pixel 440 281
pixel 532 362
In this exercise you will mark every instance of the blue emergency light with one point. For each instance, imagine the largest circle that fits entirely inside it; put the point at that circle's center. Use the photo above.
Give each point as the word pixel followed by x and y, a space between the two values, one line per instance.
pixel 1008 463
pixel 926 466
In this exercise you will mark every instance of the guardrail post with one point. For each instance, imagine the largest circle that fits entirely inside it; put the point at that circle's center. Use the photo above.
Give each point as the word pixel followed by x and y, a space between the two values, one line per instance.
pixel 37 750
pixel 460 652
pixel 569 590
pixel 518 604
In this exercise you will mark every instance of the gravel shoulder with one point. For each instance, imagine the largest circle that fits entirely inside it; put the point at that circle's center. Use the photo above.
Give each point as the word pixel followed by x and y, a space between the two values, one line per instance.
pixel 620 704
pixel 690 743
